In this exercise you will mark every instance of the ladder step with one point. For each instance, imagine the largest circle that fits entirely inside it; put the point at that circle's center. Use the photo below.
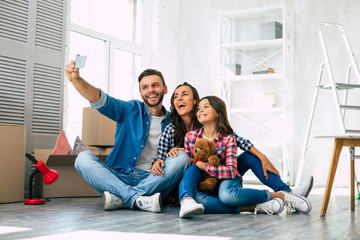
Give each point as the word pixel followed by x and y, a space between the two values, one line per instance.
pixel 352 131
pixel 340 86
pixel 344 86
pixel 357 156
pixel 352 107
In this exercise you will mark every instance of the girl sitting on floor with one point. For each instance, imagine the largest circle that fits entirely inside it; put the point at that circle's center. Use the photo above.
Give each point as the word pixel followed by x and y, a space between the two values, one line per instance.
pixel 231 196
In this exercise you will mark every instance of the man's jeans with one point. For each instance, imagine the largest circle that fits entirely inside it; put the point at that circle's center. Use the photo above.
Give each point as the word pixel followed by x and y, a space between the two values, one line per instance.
pixel 231 196
pixel 248 161
pixel 131 185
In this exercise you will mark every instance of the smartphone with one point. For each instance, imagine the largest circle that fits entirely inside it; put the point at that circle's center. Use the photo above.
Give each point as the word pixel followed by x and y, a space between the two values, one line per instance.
pixel 80 61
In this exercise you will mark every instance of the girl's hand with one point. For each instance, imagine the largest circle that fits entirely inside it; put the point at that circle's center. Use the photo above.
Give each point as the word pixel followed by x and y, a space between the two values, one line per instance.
pixel 156 168
pixel 174 152
pixel 201 165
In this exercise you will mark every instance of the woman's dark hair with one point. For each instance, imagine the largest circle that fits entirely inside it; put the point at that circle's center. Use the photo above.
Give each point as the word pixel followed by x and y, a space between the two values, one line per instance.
pixel 222 123
pixel 180 129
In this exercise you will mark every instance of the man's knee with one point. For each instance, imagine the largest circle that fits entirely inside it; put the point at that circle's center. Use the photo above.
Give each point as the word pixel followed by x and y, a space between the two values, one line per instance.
pixel 81 159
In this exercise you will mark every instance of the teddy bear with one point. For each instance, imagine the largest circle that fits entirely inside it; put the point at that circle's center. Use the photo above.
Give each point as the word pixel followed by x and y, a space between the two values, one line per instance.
pixel 204 151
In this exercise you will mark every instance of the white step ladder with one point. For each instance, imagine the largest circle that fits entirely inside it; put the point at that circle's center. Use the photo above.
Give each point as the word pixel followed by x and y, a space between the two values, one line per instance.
pixel 334 87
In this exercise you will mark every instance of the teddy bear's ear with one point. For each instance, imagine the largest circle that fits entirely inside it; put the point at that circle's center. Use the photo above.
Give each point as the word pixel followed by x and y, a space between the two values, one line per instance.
pixel 212 145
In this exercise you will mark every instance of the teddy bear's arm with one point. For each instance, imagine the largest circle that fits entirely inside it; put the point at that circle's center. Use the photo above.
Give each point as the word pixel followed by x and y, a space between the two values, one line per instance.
pixel 214 160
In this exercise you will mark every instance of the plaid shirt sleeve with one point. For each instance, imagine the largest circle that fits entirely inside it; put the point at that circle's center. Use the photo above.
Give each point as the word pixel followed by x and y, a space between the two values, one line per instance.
pixel 228 166
pixel 242 143
pixel 189 142
pixel 166 142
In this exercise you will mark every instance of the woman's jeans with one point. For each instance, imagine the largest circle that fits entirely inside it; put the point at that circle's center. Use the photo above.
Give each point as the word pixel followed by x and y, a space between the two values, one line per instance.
pixel 231 196
pixel 129 186
pixel 248 161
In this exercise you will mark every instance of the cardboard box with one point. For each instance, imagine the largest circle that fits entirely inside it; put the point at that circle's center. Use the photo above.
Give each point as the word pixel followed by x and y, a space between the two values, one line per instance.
pixel 97 129
pixel 12 163
pixel 100 150
pixel 69 183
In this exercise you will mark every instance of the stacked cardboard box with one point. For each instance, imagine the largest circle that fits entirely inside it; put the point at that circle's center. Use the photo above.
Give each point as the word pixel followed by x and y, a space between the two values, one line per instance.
pixel 98 132
pixel 97 129
pixel 12 163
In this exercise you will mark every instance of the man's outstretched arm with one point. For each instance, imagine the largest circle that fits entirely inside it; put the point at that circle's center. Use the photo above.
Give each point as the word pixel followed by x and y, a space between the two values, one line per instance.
pixel 86 90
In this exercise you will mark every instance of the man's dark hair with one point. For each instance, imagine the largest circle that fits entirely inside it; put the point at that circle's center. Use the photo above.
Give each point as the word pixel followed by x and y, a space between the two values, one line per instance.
pixel 149 72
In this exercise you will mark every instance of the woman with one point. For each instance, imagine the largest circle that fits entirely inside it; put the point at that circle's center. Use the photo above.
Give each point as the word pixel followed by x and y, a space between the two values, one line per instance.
pixel 184 104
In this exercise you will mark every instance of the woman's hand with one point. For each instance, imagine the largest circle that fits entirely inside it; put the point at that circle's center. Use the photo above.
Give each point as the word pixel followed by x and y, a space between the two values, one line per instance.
pixel 268 166
pixel 156 168
pixel 174 152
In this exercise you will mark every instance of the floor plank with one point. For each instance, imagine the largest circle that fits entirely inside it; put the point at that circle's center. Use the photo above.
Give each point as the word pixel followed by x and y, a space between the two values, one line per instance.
pixel 76 217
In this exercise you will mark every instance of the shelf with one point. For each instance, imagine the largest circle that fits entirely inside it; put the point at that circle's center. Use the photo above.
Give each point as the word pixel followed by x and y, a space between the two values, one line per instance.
pixel 254 12
pixel 254 110
pixel 255 77
pixel 257 118
pixel 253 45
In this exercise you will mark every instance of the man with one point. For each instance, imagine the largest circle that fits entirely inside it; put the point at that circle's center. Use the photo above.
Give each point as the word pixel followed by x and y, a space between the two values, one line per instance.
pixel 125 179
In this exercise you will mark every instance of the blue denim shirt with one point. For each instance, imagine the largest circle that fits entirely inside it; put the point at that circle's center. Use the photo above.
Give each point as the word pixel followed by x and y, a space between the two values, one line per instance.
pixel 132 129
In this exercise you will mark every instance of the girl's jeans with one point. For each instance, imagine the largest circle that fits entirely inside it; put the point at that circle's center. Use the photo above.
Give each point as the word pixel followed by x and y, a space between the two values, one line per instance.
pixel 129 186
pixel 231 196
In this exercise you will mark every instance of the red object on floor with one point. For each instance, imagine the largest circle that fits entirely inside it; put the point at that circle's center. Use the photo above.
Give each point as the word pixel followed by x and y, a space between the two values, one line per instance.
pixel 35 201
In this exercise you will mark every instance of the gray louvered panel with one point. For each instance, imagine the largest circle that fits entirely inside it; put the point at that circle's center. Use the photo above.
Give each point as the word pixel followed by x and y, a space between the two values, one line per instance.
pixel 47 98
pixel 49 26
pixel 14 19
pixel 12 90
pixel 48 10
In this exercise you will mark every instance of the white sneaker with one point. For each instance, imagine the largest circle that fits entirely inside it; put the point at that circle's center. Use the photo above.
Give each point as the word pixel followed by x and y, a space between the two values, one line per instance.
pixel 273 206
pixel 190 208
pixel 112 202
pixel 149 203
pixel 305 188
pixel 296 203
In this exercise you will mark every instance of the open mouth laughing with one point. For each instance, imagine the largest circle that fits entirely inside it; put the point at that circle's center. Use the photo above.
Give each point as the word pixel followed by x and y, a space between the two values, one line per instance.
pixel 181 106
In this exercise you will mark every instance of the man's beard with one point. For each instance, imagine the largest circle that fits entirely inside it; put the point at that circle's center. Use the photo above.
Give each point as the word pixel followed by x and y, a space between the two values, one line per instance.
pixel 156 104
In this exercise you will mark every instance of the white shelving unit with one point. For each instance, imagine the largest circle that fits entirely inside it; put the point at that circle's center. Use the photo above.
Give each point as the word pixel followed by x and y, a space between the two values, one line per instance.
pixel 267 127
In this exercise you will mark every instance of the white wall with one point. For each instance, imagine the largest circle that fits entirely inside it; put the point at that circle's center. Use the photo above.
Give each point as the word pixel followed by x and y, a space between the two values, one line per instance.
pixel 182 41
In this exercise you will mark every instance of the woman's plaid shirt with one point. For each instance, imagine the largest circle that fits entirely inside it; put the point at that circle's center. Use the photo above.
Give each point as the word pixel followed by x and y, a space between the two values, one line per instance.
pixel 166 142
pixel 225 151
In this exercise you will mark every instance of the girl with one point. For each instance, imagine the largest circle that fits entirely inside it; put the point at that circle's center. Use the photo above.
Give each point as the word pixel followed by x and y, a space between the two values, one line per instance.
pixel 212 115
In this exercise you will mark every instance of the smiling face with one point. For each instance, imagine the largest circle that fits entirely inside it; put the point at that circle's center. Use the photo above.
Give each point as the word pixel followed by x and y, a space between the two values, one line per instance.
pixel 184 100
pixel 206 113
pixel 152 90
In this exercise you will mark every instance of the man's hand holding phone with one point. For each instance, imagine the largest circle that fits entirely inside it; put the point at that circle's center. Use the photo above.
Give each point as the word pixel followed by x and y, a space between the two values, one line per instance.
pixel 80 61
pixel 72 69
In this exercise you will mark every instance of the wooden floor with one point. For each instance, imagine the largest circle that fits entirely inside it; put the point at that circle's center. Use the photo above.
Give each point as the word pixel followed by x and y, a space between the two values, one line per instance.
pixel 84 218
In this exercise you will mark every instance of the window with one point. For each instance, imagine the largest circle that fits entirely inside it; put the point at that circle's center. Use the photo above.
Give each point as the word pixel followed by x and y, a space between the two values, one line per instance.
pixel 108 32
